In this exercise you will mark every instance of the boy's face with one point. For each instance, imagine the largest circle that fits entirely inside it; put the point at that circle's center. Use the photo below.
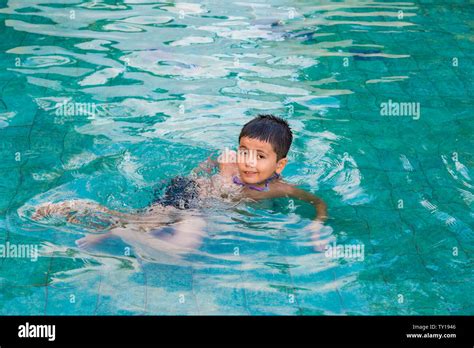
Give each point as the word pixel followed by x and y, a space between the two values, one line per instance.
pixel 257 161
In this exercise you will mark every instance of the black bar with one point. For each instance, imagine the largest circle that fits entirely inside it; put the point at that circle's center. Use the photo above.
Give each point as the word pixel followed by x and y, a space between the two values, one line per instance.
pixel 225 330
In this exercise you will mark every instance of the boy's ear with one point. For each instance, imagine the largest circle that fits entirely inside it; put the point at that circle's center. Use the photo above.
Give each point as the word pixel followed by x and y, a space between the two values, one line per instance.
pixel 281 165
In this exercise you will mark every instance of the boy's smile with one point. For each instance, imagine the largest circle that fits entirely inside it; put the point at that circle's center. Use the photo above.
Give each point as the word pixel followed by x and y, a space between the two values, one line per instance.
pixel 257 161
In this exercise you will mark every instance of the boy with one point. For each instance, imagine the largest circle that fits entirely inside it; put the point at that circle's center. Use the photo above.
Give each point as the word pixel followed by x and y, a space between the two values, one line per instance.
pixel 264 143
pixel 252 173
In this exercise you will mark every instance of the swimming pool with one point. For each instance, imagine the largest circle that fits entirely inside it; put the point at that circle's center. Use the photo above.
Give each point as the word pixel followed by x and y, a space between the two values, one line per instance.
pixel 105 99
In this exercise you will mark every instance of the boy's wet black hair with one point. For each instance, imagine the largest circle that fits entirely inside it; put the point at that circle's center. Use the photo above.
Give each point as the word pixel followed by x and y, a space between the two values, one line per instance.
pixel 272 129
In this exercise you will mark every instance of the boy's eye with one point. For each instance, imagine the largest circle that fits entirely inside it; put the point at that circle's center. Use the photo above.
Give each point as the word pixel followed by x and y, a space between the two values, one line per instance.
pixel 260 157
pixel 243 152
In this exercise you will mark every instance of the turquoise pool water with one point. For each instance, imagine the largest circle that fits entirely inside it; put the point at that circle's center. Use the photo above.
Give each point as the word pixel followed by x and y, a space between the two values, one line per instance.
pixel 161 85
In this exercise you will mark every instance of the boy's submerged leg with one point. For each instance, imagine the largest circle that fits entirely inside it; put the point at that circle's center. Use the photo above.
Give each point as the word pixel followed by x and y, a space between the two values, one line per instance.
pixel 74 210
pixel 92 239
pixel 186 228
pixel 189 232
pixel 178 237
pixel 92 214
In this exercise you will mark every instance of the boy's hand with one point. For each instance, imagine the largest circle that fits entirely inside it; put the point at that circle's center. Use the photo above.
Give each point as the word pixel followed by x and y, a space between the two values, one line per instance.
pixel 320 235
pixel 227 163
pixel 227 157
pixel 206 166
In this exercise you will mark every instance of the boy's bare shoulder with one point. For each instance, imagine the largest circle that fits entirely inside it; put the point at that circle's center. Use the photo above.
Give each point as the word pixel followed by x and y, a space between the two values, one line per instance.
pixel 281 187
pixel 277 188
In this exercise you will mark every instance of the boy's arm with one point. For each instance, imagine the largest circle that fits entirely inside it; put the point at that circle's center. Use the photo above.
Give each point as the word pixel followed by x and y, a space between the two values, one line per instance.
pixel 317 238
pixel 206 166
pixel 226 162
pixel 318 203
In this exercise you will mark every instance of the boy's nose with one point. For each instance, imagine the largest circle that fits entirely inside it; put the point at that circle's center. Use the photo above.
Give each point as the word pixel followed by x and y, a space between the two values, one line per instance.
pixel 251 160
